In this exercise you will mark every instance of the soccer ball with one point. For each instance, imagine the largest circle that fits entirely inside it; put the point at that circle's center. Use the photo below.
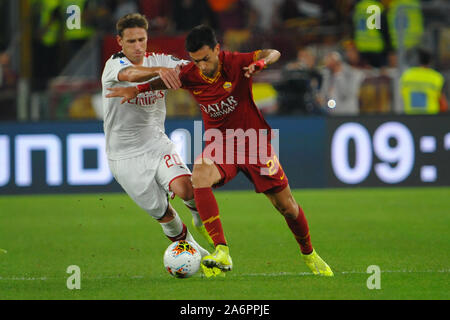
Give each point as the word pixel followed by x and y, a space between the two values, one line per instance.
pixel 182 259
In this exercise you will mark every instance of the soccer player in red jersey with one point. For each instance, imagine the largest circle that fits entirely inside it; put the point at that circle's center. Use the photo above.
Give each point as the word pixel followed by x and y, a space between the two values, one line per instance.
pixel 221 83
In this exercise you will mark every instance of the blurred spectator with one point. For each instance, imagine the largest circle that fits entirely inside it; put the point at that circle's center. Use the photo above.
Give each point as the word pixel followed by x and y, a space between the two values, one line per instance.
pixel 47 38
pixel 306 60
pixel 351 55
pixel 238 39
pixel 291 9
pixel 374 44
pixel 190 13
pixel 102 15
pixel 124 7
pixel 340 86
pixel 158 12
pixel 229 14
pixel 8 93
pixel 8 76
pixel 323 11
pixel 421 88
pixel 405 17
pixel 5 30
pixel 300 84
pixel 264 15
pixel 344 12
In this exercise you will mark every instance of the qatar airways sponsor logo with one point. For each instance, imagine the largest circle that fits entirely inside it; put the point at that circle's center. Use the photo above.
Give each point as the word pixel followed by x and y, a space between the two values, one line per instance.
pixel 147 98
pixel 221 108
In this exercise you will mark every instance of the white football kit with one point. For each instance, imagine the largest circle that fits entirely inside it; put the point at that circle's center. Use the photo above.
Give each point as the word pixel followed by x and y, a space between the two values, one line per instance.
pixel 142 159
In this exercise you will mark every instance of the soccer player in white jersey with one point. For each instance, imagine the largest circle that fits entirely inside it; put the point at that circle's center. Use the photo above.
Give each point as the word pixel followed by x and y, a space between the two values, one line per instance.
pixel 141 157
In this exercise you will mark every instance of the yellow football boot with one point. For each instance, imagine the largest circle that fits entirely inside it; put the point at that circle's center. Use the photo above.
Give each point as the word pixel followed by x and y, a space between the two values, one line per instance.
pixel 211 272
pixel 316 264
pixel 220 259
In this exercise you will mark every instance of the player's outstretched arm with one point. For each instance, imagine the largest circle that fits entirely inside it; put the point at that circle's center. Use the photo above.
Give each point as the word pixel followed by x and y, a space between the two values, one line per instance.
pixel 128 93
pixel 157 83
pixel 140 74
pixel 264 58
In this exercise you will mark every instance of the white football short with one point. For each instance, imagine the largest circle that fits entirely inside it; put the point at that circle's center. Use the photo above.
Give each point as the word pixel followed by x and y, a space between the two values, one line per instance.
pixel 146 178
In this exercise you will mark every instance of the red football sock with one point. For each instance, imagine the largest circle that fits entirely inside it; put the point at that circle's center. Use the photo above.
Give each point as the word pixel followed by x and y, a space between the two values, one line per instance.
pixel 299 228
pixel 209 212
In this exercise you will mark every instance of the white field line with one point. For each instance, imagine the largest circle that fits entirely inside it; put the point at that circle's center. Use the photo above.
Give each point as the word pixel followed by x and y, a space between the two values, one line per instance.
pixel 279 274
pixel 234 275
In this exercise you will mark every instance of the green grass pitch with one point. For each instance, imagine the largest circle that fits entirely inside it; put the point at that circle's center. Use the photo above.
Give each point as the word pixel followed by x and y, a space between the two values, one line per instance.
pixel 119 248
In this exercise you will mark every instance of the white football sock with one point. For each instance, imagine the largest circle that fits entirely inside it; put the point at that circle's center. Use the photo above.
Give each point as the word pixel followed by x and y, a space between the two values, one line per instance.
pixel 174 227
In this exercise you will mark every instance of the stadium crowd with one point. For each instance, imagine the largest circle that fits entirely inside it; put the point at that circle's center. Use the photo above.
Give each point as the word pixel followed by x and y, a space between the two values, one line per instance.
pixel 331 62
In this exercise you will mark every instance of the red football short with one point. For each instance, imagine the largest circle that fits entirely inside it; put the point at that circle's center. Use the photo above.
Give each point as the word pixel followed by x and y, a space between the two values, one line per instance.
pixel 267 176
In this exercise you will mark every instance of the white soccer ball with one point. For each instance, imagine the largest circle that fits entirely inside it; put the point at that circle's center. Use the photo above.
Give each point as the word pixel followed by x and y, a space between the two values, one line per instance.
pixel 182 259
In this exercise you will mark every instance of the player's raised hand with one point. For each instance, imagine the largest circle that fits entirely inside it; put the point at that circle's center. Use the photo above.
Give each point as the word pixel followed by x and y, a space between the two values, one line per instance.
pixel 127 93
pixel 254 68
pixel 170 77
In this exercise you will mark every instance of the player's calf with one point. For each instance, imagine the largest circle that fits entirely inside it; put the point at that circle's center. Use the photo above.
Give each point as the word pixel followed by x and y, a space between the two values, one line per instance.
pixel 285 203
pixel 294 216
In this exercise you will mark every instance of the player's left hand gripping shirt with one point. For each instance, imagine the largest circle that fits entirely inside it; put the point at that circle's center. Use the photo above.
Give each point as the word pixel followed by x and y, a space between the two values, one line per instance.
pixel 137 126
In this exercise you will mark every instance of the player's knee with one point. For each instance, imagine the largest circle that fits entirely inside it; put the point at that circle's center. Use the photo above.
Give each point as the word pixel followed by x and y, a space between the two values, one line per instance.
pixel 182 187
pixel 202 176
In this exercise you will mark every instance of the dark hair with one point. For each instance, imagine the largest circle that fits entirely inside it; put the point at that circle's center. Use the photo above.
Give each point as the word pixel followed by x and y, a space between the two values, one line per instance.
pixel 200 36
pixel 131 20
pixel 424 56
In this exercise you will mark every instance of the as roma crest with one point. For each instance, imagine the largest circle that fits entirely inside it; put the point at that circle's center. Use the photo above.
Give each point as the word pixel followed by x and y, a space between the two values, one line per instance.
pixel 227 86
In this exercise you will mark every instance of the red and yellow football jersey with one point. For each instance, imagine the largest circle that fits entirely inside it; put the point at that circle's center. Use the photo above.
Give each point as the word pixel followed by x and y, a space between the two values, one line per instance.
pixel 226 100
